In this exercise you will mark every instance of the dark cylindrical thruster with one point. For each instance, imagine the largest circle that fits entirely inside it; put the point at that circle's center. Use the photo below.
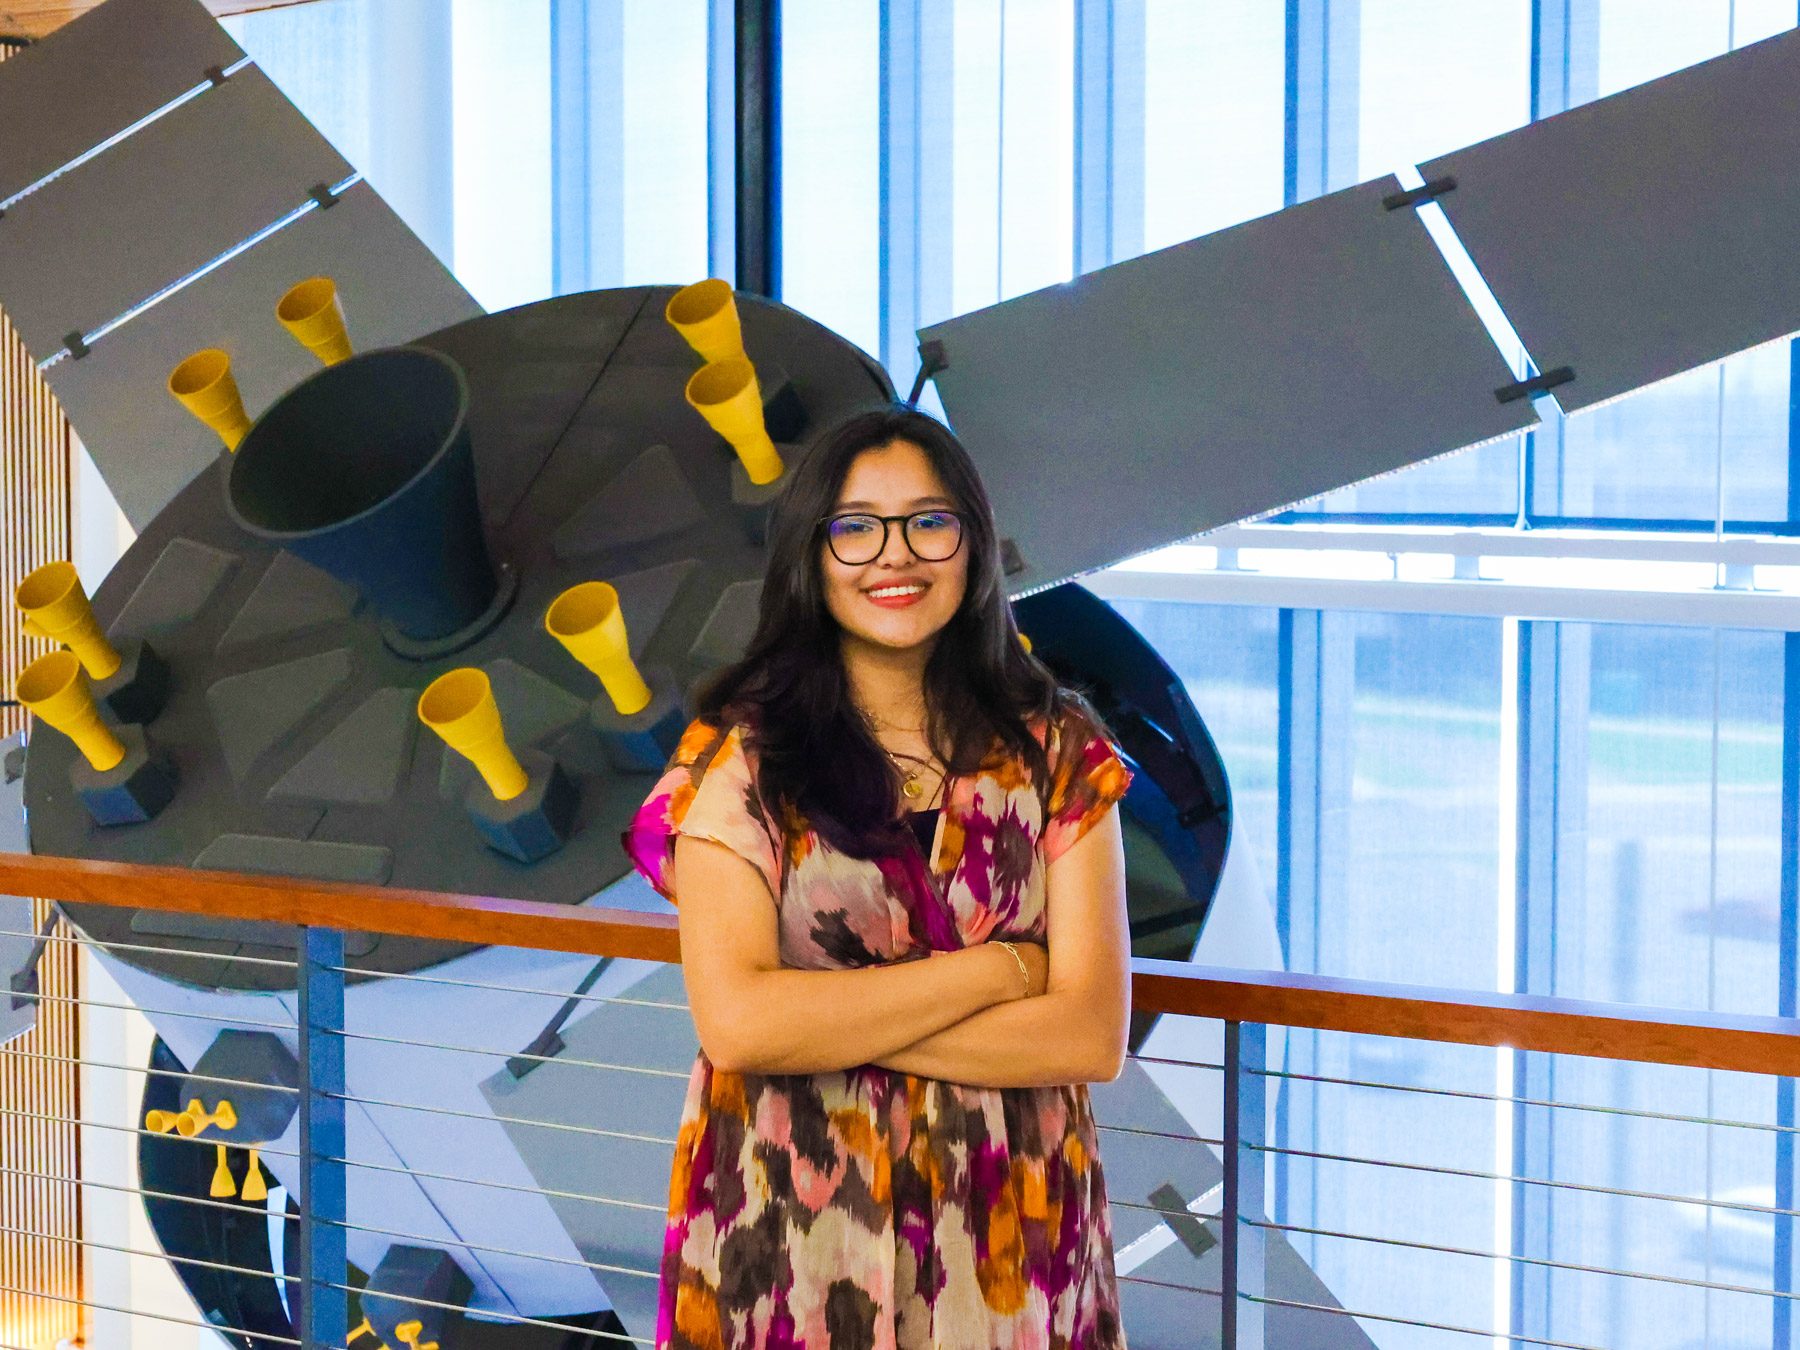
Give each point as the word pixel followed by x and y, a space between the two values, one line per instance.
pixel 365 470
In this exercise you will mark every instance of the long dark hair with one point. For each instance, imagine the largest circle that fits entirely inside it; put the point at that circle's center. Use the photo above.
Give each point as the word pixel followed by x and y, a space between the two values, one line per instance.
pixel 817 754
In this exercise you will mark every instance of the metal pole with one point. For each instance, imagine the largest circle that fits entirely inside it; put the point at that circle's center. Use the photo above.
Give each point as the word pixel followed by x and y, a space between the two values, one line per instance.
pixel 1245 1136
pixel 324 1320
pixel 758 147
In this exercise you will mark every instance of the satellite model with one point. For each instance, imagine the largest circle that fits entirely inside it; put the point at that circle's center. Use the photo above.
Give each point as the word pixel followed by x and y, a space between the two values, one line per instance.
pixel 419 596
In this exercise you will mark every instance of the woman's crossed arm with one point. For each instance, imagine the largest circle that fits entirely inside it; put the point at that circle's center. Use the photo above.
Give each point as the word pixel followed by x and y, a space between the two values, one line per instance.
pixel 1075 1032
pixel 756 1016
pixel 959 1017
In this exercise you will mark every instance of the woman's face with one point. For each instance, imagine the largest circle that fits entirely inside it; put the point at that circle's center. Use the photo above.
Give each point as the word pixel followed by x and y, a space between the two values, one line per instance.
pixel 898 599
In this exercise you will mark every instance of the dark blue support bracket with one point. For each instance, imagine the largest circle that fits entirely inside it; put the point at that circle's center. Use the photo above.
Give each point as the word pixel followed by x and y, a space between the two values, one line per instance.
pixel 1246 1138
pixel 324 1312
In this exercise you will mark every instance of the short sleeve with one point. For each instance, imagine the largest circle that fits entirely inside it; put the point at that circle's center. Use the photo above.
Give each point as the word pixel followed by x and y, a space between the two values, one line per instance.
pixel 708 791
pixel 1087 775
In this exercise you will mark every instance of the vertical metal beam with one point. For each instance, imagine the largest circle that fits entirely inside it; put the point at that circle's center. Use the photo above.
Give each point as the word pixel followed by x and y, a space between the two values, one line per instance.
pixel 1787 1179
pixel 570 168
pixel 324 1322
pixel 1554 682
pixel 587 140
pixel 759 147
pixel 1296 793
pixel 1323 77
pixel 721 138
pixel 916 78
pixel 1533 1075
pixel 1109 132
pixel 1787 983
pixel 1316 677
pixel 1565 73
pixel 1242 1247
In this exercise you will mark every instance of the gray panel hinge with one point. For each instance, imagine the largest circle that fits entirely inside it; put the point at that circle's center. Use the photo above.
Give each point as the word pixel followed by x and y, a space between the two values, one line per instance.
pixel 1182 1221
pixel 322 194
pixel 76 347
pixel 1437 187
pixel 931 361
pixel 216 74
pixel 1537 384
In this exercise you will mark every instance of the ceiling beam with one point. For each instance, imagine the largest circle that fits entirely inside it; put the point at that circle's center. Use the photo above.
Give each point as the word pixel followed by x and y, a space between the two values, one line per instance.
pixel 40 18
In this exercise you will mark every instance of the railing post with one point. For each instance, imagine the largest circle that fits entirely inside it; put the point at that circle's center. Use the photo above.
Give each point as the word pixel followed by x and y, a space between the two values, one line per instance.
pixel 323 1321
pixel 1246 1092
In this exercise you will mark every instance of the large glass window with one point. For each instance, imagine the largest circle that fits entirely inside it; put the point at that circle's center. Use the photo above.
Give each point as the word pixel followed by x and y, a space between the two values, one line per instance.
pixel 1669 843
pixel 1213 116
pixel 831 165
pixel 1711 445
pixel 1396 827
pixel 1228 660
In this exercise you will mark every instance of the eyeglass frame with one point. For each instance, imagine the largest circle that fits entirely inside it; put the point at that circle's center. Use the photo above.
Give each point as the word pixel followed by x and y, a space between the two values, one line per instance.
pixel 886 524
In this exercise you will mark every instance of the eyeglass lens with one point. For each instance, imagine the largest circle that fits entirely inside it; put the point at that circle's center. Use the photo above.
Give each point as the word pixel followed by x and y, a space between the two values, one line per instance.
pixel 933 536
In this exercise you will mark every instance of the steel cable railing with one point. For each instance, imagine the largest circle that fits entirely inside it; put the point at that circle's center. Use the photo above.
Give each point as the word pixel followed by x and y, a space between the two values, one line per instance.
pixel 1208 1236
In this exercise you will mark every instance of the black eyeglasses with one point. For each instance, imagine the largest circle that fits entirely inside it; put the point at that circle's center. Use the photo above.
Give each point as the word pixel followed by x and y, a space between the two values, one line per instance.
pixel 858 538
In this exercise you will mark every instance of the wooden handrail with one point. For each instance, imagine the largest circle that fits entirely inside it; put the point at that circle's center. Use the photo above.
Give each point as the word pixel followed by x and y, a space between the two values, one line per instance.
pixel 1767 1045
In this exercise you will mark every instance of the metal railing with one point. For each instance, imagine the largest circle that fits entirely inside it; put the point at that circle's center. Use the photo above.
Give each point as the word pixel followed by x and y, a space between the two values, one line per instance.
pixel 1165 1239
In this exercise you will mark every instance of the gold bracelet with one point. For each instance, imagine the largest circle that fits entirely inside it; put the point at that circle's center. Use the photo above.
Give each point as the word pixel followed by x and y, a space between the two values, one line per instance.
pixel 1019 961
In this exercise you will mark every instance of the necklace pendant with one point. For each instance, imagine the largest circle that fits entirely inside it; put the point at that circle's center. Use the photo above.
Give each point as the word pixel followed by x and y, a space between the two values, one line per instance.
pixel 912 787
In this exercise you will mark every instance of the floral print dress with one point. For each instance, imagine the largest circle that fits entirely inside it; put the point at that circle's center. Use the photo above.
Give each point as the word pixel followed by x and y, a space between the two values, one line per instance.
pixel 868 1209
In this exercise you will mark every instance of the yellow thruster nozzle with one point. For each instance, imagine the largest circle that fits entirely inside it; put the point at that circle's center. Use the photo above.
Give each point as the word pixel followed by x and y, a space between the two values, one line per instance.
pixel 312 312
pixel 460 707
pixel 223 1187
pixel 726 394
pixel 587 620
pixel 206 387
pixel 706 315
pixel 57 608
pixel 195 1119
pixel 255 1188
pixel 55 689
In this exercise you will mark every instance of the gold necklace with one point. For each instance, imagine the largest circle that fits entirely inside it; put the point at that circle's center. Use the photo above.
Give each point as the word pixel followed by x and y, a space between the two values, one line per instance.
pixel 910 783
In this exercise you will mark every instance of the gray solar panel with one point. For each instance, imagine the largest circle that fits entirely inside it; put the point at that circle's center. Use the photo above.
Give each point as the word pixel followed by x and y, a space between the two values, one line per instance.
pixel 146 446
pixel 198 181
pixel 1649 233
pixel 1219 380
pixel 116 64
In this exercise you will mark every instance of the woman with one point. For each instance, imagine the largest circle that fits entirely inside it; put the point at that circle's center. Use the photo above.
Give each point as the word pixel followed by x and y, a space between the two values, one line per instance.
pixel 880 1151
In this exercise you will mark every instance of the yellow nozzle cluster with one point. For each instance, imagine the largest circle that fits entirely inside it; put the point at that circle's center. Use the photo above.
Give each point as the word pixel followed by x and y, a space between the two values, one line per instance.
pixel 312 312
pixel 460 707
pixel 195 1119
pixel 56 608
pixel 54 689
pixel 727 395
pixel 587 620
pixel 705 313
pixel 724 391
pixel 408 1333
pixel 205 386
pixel 189 1123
